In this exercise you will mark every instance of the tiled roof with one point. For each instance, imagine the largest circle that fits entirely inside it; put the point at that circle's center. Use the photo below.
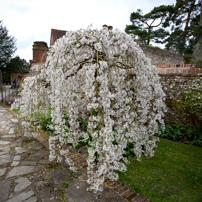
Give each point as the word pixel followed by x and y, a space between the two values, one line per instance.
pixel 56 34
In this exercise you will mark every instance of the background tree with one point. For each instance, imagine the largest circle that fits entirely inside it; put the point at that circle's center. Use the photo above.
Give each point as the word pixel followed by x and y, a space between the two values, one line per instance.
pixel 184 24
pixel 146 28
pixel 197 53
pixel 176 26
pixel 17 64
pixel 7 46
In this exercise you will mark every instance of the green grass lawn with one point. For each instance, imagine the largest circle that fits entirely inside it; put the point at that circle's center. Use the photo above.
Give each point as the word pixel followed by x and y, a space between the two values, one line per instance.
pixel 173 174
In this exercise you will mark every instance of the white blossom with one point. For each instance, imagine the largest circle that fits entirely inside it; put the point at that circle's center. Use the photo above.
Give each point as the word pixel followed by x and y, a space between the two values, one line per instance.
pixel 87 75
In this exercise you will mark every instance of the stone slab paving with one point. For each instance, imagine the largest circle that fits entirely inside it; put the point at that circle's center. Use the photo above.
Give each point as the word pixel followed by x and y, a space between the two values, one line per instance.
pixel 14 186
pixel 23 170
pixel 76 192
pixel 32 199
pixel 20 150
pixel 4 142
pixel 5 159
pixel 2 171
pixel 21 197
pixel 15 163
pixel 27 175
pixel 8 136
pixel 4 189
pixel 22 183
pixel 17 158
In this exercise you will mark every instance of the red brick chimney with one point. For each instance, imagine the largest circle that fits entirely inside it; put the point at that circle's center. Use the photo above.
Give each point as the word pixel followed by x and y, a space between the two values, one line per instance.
pixel 39 52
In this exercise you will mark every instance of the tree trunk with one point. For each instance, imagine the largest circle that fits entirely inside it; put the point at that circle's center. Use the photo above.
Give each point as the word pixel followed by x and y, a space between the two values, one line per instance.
pixel 188 18
pixel 148 37
pixel 197 53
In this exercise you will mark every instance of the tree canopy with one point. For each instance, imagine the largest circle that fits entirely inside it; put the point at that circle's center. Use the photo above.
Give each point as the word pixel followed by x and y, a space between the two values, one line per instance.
pixel 7 46
pixel 176 26
pixel 17 64
pixel 185 27
pixel 146 28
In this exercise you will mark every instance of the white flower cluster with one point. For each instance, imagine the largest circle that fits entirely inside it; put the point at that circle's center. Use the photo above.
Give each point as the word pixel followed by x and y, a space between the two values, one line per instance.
pixel 105 78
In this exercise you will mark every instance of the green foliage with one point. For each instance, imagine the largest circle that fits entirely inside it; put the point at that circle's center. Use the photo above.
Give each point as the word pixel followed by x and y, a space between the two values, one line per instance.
pixel 96 156
pixel 172 174
pixel 150 33
pixel 129 150
pixel 16 110
pixel 93 112
pixel 45 124
pixel 7 46
pixel 187 58
pixel 75 144
pixel 66 118
pixel 17 64
pixel 65 184
pixel 153 47
pixel 83 123
pixel 6 77
pixel 185 28
pixel 176 26
pixel 195 134
pixel 172 132
pixel 192 134
pixel 187 121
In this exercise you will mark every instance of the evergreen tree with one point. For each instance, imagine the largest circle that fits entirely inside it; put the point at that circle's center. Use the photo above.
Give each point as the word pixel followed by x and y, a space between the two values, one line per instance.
pixel 7 46
pixel 185 27
pixel 147 28
pixel 17 64
pixel 197 53
pixel 176 26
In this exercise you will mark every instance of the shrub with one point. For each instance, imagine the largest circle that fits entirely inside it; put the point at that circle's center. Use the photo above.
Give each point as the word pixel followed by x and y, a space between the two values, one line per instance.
pixel 172 132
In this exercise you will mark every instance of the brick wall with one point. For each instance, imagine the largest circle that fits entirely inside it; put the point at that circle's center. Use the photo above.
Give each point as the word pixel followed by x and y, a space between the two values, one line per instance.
pixel 179 69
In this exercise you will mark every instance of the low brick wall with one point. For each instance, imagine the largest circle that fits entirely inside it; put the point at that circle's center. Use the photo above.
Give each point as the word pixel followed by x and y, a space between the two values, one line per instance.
pixel 173 65
pixel 179 71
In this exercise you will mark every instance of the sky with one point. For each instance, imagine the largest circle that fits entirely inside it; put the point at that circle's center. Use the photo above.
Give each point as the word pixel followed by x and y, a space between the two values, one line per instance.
pixel 32 20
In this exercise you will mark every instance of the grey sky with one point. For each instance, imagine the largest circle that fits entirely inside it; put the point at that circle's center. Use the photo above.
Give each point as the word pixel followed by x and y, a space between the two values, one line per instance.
pixel 32 20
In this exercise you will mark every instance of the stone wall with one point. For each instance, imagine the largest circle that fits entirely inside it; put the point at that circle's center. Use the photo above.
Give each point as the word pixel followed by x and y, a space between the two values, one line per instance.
pixel 160 56
pixel 176 80
pixel 174 86
pixel 183 99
